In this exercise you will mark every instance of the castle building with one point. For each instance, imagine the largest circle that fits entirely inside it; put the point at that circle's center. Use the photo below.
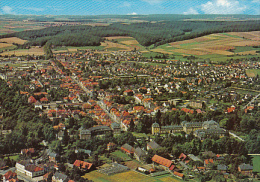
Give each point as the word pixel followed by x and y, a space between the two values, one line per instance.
pixel 201 130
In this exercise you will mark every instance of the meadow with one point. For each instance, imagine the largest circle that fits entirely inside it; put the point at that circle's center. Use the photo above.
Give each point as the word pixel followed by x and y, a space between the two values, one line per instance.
pixel 220 44
pixel 128 176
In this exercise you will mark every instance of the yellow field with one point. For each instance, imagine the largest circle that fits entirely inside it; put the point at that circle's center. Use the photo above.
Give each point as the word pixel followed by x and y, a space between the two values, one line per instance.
pixel 24 52
pixel 3 45
pixel 130 42
pixel 71 50
pixel 247 52
pixel 129 176
pixel 13 40
pixel 108 45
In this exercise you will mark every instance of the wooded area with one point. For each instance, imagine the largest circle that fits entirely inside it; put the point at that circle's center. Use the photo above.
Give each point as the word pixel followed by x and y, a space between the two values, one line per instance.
pixel 146 33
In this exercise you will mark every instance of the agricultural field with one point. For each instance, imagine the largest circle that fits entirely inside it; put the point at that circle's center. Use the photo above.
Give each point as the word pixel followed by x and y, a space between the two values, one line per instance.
pixel 220 44
pixel 123 43
pixel 9 26
pixel 128 176
pixel 12 40
pixel 8 43
pixel 253 72
pixel 21 52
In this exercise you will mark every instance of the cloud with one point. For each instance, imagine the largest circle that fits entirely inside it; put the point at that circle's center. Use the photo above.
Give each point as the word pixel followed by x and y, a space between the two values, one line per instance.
pixel 125 4
pixel 56 8
pixel 153 2
pixel 34 9
pixel 191 11
pixel 134 13
pixel 223 7
pixel 256 1
pixel 7 10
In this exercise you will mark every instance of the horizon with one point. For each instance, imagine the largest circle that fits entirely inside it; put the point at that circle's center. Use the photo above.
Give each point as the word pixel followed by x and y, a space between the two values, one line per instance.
pixel 128 7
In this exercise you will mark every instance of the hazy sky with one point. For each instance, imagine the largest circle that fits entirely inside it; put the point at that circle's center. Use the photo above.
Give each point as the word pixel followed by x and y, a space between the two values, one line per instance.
pixel 124 7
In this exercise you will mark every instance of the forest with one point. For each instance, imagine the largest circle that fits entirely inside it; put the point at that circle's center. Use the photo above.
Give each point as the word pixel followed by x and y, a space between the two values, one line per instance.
pixel 146 33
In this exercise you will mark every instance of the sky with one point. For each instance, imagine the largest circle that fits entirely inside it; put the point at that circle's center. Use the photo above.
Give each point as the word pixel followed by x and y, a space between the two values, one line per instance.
pixel 128 7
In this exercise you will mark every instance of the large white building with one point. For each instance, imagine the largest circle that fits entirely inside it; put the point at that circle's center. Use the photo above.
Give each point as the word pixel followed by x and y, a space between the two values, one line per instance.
pixel 27 168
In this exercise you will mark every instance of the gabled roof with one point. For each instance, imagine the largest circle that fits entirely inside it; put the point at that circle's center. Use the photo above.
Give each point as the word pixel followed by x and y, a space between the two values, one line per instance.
pixel 162 161
pixel 127 148
pixel 245 167
pixel 178 174
pixel 153 145
pixel 61 176
pixel 207 161
pixel 222 167
pixel 139 152
pixel 82 164
pixel 9 175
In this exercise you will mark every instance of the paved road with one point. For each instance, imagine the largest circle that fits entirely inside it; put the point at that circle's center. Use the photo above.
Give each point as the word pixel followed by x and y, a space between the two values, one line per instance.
pixel 234 135
pixel 87 92
pixel 253 100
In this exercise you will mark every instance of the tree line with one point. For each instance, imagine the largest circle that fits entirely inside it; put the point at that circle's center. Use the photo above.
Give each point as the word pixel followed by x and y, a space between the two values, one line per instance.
pixel 146 33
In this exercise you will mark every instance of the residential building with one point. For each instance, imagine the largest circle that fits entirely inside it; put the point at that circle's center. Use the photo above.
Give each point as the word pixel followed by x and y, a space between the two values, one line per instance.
pixel 59 177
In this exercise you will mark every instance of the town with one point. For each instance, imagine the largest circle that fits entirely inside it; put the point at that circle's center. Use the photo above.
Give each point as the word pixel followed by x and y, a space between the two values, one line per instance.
pixel 85 114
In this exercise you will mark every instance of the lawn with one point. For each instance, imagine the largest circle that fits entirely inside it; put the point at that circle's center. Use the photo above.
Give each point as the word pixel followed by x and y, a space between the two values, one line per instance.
pixel 129 176
pixel 256 163
pixel 139 135
pixel 14 157
pixel 122 155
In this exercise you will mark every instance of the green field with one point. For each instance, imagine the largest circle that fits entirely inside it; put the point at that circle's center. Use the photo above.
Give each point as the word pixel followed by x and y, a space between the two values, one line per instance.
pixel 8 48
pixel 14 157
pixel 256 163
pixel 247 48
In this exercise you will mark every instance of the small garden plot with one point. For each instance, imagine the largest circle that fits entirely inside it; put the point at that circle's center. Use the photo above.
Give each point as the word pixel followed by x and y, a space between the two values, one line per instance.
pixel 114 168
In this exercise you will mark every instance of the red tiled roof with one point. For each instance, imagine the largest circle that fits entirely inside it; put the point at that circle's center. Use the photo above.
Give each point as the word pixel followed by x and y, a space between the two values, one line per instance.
pixel 82 164
pixel 178 174
pixel 182 156
pixel 9 175
pixel 207 161
pixel 160 160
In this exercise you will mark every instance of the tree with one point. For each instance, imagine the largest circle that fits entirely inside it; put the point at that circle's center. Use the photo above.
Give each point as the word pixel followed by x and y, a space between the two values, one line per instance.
pixel 56 146
pixel 131 125
pixel 158 116
pixel 65 138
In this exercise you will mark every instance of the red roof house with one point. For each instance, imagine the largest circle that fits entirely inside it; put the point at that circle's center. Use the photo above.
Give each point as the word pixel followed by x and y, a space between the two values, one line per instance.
pixel 162 161
pixel 86 166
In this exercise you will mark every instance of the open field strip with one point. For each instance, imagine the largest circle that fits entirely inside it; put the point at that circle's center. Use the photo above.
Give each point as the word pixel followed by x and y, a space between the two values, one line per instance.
pixel 13 40
pixel 5 45
pixel 22 52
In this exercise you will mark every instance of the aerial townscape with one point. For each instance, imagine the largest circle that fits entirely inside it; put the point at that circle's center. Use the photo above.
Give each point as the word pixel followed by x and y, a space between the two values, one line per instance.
pixel 130 98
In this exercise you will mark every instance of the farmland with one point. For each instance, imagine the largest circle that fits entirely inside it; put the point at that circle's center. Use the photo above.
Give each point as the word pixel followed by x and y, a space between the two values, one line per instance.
pixel 222 44
pixel 253 72
pixel 20 52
